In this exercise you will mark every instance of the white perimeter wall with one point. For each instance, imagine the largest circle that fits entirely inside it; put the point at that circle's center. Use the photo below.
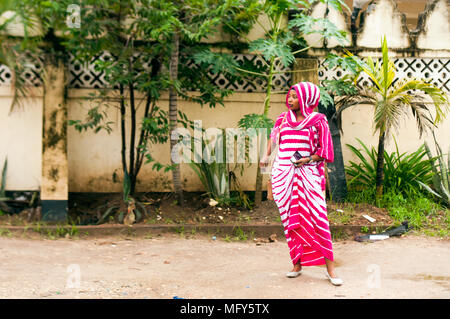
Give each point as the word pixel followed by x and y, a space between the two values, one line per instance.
pixel 93 158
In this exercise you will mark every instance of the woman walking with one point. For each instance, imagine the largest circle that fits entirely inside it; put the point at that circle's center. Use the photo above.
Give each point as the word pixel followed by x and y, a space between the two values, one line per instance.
pixel 298 184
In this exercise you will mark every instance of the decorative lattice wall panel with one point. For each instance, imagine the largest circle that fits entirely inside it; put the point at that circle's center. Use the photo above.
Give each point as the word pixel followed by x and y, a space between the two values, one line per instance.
pixel 86 76
pixel 434 70
pixel 280 81
pixel 31 75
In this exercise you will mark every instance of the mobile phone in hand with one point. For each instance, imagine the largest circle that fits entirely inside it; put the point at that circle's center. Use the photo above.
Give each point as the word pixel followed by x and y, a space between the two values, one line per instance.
pixel 296 157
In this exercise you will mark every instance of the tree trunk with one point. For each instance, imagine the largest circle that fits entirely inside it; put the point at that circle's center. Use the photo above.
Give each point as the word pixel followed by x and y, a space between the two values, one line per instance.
pixel 173 110
pixel 380 168
pixel 337 179
pixel 133 173
pixel 123 132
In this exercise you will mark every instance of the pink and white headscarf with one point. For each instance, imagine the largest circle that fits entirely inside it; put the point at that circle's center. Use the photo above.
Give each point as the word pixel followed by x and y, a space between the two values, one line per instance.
pixel 308 95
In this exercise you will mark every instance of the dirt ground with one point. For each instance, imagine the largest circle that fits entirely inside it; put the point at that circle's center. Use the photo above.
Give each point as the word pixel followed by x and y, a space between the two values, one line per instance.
pixel 88 208
pixel 200 267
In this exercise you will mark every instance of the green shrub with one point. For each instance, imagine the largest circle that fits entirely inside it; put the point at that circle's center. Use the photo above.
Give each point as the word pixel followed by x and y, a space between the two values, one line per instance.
pixel 216 177
pixel 403 173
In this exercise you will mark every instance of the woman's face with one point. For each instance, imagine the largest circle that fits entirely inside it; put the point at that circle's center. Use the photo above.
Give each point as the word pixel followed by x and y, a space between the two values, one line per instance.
pixel 293 100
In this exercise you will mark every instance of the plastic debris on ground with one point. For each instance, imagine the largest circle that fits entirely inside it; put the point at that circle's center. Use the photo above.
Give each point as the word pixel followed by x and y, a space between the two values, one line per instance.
pixel 212 202
pixel 396 231
pixel 370 219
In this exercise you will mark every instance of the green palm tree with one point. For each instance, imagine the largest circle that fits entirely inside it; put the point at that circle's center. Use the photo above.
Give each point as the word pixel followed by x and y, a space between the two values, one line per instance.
pixel 391 100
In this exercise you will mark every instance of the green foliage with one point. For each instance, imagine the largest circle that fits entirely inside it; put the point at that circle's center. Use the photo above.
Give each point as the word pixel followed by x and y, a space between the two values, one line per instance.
pixel 216 176
pixel 253 123
pixel 391 99
pixel 279 40
pixel 415 209
pixel 270 48
pixel 308 25
pixel 256 121
pixel 441 180
pixel 326 98
pixel 240 234
pixel 95 118
pixel 238 197
pixel 196 78
pixel 137 66
pixel 5 232
pixel 344 86
pixel 213 174
pixel 403 172
pixel 3 180
pixel 216 62
pixel 347 62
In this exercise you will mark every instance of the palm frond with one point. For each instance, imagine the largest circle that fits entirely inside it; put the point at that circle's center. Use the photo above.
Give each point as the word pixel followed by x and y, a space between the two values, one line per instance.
pixel 421 90
pixel 364 97
pixel 388 68
pixel 387 115
pixel 373 71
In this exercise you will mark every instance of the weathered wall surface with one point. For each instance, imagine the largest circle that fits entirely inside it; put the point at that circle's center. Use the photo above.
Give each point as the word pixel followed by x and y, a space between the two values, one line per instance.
pixel 429 38
pixel 94 158
pixel 21 141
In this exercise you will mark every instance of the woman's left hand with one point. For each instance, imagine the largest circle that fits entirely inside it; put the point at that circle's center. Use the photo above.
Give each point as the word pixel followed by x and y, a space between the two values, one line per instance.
pixel 301 161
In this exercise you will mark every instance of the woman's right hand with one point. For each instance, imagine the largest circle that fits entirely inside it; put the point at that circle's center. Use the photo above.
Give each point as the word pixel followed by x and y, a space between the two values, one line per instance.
pixel 264 161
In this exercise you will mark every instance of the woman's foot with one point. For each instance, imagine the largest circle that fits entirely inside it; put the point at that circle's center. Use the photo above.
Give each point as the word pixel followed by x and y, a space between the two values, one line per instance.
pixel 334 279
pixel 332 273
pixel 295 272
pixel 297 268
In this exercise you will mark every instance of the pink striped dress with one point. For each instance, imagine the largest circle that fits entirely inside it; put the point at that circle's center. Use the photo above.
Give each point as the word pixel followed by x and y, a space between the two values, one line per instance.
pixel 299 191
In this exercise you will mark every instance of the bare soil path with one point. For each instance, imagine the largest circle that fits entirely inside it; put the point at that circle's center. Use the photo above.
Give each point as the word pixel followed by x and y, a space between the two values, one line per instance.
pixel 200 267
